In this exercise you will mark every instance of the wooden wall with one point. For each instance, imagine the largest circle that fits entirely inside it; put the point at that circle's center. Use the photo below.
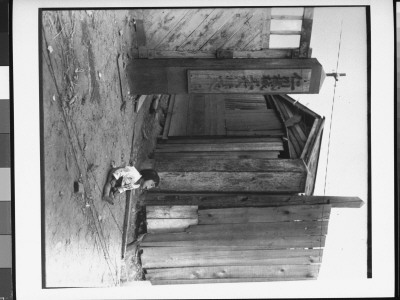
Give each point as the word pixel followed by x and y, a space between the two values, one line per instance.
pixel 236 244
pixel 178 33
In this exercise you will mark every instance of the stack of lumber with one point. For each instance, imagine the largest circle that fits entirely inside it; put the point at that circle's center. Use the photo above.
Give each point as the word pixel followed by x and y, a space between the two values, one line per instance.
pixel 240 244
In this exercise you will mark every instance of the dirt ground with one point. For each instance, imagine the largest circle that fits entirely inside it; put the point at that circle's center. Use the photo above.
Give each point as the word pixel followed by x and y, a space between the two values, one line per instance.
pixel 86 127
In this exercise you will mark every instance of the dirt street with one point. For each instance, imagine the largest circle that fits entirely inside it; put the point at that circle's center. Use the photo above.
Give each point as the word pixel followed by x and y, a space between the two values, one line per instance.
pixel 86 127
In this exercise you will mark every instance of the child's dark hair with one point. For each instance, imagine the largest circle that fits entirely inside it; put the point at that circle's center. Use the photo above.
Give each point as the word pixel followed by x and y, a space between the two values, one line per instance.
pixel 150 174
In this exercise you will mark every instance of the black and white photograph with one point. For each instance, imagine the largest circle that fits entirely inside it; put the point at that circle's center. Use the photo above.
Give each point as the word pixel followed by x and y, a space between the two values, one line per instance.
pixel 181 147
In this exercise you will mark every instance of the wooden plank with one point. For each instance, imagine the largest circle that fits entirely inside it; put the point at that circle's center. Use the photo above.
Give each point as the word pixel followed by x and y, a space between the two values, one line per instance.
pixel 220 154
pixel 286 32
pixel 264 53
pixel 277 242
pixel 168 257
pixel 222 200
pixel 183 29
pixel 267 228
pixel 266 28
pixel 167 125
pixel 226 280
pixel 294 134
pixel 310 138
pixel 169 225
pixel 171 212
pixel 196 121
pixel 231 125
pixel 207 29
pixel 160 54
pixel 179 118
pixel 228 30
pixel 286 17
pixel 260 146
pixel 264 214
pixel 315 142
pixel 242 232
pixel 278 271
pixel 221 140
pixel 221 118
pixel 306 29
pixel 181 164
pixel 270 132
pixel 285 182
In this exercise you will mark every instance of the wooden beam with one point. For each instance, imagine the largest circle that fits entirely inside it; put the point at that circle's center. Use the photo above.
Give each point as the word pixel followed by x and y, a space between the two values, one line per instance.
pixel 273 182
pixel 265 53
pixel 201 147
pixel 306 29
pixel 242 231
pixel 227 280
pixel 218 154
pixel 265 33
pixel 249 242
pixel 207 200
pixel 264 214
pixel 169 76
pixel 169 117
pixel 169 257
pixel 212 164
pixel 218 272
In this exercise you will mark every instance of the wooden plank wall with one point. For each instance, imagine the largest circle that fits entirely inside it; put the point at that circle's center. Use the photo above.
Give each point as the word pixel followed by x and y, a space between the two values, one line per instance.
pixel 239 244
pixel 243 32
pixel 223 115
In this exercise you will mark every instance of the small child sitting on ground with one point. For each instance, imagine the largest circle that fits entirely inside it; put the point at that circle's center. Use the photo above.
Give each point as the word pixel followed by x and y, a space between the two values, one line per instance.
pixel 122 179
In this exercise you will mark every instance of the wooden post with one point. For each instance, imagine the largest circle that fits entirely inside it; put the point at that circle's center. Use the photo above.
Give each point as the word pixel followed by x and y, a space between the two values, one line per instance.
pixel 169 117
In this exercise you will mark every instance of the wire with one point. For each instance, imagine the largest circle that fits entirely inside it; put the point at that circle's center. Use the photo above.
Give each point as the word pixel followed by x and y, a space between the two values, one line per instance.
pixel 333 103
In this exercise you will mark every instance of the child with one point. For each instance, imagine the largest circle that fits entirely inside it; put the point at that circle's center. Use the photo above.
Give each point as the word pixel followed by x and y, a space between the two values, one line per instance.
pixel 122 179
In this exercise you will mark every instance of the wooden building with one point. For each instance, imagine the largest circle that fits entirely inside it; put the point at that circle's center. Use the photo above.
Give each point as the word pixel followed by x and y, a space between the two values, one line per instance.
pixel 236 151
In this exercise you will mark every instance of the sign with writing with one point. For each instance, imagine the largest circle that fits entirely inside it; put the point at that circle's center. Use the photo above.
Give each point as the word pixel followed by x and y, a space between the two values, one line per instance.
pixel 277 81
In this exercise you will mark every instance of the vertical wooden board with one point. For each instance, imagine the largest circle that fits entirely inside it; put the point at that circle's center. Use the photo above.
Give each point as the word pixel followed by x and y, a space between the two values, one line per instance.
pixel 220 117
pixel 266 28
pixel 196 116
pixel 278 271
pixel 227 31
pixel 169 225
pixel 208 28
pixel 179 118
pixel 183 29
pixel 171 212
pixel 277 182
pixel 158 28
pixel 168 257
pixel 264 214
